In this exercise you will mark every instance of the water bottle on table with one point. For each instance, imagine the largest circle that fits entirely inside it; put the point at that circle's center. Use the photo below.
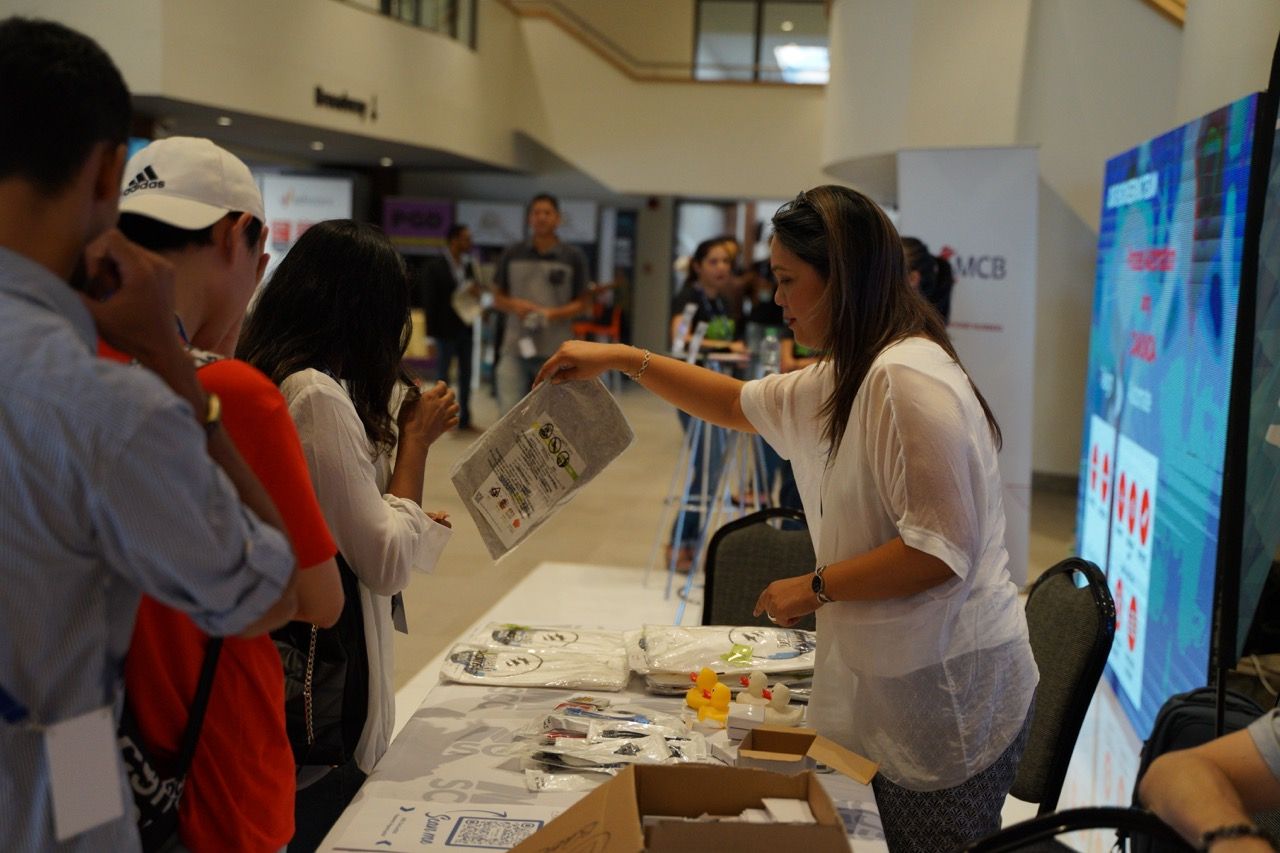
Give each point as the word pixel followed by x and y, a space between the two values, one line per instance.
pixel 770 352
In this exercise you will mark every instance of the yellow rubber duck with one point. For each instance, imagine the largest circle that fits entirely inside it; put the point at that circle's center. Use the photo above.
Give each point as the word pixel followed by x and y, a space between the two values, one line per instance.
pixel 708 697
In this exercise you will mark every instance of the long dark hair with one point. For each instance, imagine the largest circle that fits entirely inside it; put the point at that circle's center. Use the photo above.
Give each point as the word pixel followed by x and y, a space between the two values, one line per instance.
pixel 339 301
pixel 936 276
pixel 856 250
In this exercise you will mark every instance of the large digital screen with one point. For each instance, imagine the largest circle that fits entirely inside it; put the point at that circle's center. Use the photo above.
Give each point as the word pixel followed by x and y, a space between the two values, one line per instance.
pixel 1160 363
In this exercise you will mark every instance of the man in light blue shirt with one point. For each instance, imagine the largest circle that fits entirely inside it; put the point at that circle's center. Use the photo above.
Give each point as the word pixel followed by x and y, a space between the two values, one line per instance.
pixel 1210 793
pixel 114 480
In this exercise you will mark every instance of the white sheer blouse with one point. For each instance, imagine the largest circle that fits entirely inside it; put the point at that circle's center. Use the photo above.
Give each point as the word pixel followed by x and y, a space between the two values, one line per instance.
pixel 382 536
pixel 934 686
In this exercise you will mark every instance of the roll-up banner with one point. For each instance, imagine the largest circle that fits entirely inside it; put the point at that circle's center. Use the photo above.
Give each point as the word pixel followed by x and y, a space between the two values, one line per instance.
pixel 977 207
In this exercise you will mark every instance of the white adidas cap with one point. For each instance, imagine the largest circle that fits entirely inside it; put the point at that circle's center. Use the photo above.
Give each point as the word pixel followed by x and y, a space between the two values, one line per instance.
pixel 188 183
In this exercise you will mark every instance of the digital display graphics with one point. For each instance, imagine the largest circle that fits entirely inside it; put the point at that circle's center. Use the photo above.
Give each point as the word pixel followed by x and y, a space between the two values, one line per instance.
pixel 1166 297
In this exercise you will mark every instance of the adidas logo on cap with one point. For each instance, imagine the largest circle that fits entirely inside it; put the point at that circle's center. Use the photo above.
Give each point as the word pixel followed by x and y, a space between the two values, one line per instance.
pixel 147 179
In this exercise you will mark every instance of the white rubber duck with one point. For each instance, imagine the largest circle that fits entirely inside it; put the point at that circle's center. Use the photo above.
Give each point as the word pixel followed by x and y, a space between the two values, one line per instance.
pixel 779 711
pixel 756 692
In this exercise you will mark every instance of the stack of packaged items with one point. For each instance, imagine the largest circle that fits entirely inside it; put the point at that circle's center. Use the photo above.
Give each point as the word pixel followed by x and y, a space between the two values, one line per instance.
pixel 670 656
pixel 531 656
pixel 585 737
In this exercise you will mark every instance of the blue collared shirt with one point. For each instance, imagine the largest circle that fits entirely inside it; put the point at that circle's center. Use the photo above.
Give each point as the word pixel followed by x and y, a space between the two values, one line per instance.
pixel 106 492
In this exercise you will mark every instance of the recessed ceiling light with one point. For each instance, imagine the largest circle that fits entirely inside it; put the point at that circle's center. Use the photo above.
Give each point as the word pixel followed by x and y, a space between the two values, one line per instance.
pixel 787 26
pixel 224 121
pixel 317 145
pixel 386 162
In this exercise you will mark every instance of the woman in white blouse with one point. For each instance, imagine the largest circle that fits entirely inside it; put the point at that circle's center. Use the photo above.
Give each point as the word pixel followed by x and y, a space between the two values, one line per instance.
pixel 923 661
pixel 330 329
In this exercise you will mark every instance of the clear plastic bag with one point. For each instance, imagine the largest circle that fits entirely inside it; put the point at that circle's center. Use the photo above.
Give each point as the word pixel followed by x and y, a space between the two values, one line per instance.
pixel 468 664
pixel 537 457
pixel 727 649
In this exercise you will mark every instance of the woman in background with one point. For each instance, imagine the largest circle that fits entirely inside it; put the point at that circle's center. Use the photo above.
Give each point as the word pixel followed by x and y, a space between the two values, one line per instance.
pixel 705 285
pixel 930 274
pixel 330 329
pixel 923 661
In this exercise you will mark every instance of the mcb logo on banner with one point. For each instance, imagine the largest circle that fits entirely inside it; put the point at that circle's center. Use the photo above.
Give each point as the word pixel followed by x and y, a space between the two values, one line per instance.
pixel 985 267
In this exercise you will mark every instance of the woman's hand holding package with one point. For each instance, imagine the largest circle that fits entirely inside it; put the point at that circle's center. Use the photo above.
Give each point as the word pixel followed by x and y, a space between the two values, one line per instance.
pixel 786 601
pixel 576 360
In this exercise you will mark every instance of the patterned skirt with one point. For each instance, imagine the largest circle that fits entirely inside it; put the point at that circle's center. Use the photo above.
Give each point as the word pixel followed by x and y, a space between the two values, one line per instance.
pixel 948 819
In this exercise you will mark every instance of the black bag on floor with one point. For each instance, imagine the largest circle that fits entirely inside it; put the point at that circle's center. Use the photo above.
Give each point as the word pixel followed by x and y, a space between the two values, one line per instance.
pixel 326 681
pixel 1186 720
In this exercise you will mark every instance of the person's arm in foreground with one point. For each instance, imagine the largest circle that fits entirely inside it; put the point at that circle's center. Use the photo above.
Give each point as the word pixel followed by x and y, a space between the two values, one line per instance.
pixel 137 319
pixel 893 570
pixel 703 393
pixel 1217 784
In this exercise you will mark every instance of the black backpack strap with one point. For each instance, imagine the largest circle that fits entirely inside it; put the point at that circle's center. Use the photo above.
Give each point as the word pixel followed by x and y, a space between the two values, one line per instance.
pixel 199 704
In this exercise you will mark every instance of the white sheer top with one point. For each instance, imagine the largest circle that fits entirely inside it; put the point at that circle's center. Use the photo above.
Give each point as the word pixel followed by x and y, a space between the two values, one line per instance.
pixel 382 536
pixel 934 686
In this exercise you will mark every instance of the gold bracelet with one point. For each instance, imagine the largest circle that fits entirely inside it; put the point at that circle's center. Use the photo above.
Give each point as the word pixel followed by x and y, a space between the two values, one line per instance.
pixel 644 364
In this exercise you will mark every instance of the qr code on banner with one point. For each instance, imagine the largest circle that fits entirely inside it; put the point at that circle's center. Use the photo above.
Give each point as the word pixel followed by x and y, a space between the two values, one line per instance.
pixel 491 833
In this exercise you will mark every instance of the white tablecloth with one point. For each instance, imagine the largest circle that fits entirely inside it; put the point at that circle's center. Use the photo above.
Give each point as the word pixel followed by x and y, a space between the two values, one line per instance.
pixel 458 749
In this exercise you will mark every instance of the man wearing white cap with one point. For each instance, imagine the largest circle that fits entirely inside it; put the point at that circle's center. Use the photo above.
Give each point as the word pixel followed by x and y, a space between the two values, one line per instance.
pixel 199 207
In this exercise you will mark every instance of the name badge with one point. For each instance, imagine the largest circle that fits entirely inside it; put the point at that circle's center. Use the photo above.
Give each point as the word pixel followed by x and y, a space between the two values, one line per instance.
pixel 83 771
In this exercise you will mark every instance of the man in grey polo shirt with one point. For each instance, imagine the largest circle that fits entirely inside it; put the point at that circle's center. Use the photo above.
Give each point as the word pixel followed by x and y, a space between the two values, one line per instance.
pixel 541 284
pixel 114 480
pixel 1209 793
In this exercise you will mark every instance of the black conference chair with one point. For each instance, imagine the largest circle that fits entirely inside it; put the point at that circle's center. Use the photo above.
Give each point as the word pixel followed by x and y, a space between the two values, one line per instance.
pixel 1072 619
pixel 1039 834
pixel 748 554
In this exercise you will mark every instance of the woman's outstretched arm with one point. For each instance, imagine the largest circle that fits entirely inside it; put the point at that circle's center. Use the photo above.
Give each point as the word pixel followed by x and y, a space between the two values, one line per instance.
pixel 703 393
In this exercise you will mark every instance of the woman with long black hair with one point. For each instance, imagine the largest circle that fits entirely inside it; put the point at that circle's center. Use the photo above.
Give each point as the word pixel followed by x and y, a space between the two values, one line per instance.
pixel 930 274
pixel 330 329
pixel 923 661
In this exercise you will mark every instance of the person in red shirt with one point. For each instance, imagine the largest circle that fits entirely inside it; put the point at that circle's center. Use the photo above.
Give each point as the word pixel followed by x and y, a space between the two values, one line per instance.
pixel 198 206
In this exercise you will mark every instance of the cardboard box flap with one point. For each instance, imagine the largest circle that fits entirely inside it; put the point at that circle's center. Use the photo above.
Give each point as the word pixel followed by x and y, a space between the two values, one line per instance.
pixel 838 758
pixel 604 821
pixel 691 789
pixel 781 744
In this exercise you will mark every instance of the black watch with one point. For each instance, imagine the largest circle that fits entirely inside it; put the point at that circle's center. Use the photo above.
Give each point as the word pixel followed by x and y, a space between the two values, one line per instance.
pixel 819 585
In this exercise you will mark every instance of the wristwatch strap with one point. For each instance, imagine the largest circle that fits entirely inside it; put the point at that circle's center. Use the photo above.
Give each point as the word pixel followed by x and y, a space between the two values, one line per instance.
pixel 820 585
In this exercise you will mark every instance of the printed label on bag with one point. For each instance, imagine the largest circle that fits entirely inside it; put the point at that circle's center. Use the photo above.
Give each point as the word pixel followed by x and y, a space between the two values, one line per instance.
pixel 526 483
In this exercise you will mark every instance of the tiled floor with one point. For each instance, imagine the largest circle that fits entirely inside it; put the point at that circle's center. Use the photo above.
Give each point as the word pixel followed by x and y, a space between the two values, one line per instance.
pixel 613 523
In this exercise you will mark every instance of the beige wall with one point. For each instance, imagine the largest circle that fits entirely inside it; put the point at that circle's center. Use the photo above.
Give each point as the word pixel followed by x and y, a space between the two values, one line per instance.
pixel 651 31
pixel 527 77
pixel 1226 53
pixel 923 74
pixel 721 140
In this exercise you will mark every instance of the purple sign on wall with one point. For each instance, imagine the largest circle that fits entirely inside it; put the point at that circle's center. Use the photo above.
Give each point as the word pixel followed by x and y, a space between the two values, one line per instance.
pixel 416 219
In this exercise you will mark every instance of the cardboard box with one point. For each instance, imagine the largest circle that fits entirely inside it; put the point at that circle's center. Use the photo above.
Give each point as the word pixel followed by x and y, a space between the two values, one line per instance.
pixel 610 818
pixel 786 750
